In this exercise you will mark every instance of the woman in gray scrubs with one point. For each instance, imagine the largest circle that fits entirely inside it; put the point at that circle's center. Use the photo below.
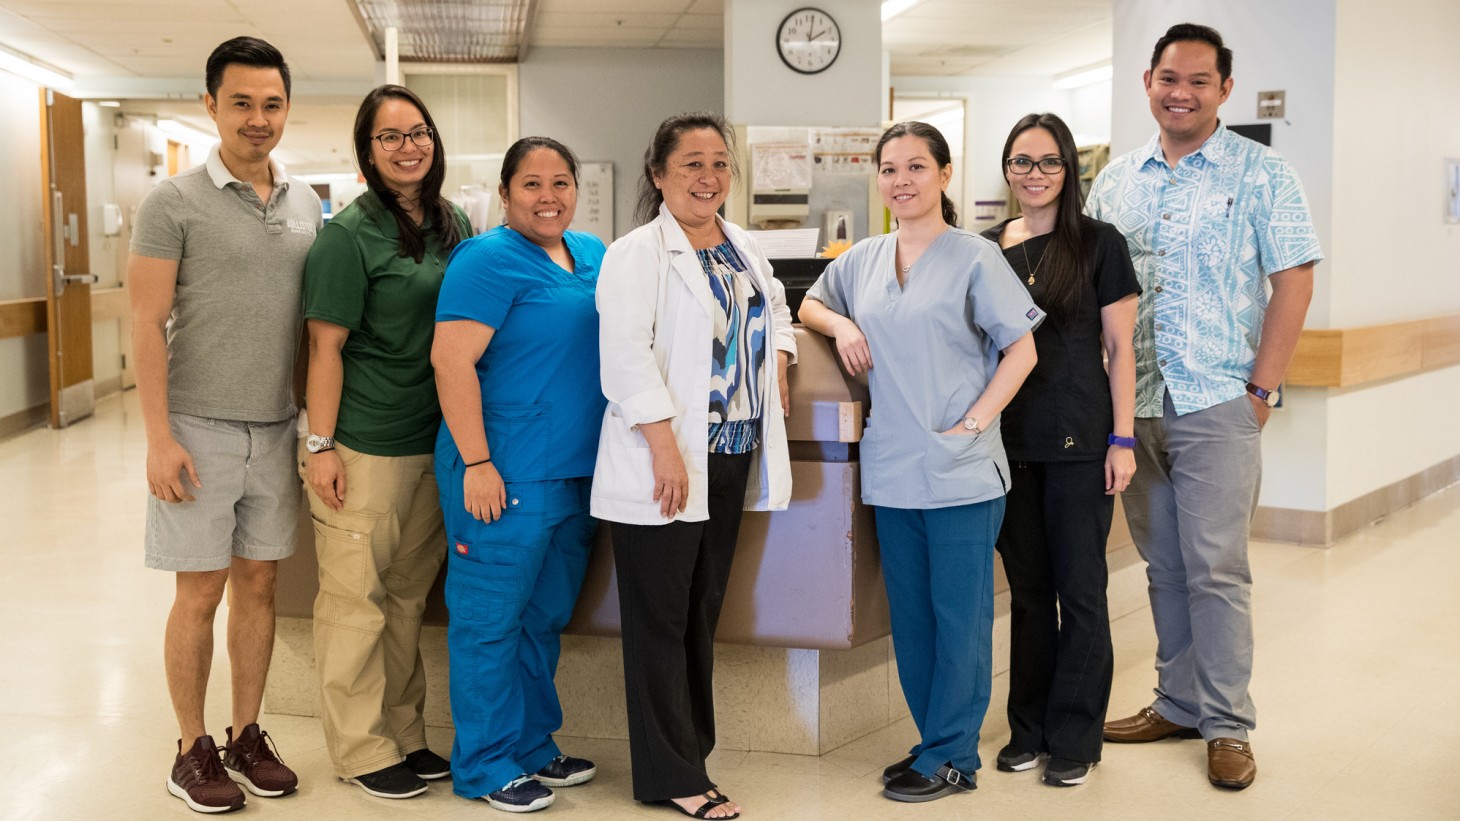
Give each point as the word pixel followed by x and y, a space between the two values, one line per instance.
pixel 933 307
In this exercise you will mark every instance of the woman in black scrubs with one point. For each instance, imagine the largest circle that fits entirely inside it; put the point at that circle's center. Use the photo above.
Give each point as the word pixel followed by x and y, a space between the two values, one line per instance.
pixel 1069 436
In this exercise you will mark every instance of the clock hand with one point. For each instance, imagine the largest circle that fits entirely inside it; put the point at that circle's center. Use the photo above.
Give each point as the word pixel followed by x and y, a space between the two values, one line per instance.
pixel 811 37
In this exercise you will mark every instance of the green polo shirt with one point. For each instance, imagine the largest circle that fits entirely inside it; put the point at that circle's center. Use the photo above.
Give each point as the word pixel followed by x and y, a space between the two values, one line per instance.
pixel 356 278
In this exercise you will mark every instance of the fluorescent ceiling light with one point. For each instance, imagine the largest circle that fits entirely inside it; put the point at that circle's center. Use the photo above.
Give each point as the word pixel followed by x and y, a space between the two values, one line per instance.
pixel 109 103
pixel 892 8
pixel 449 31
pixel 1088 75
pixel 186 133
pixel 29 68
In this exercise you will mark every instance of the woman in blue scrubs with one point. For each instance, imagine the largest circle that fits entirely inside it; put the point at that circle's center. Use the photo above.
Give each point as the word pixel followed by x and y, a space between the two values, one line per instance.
pixel 516 356
pixel 948 327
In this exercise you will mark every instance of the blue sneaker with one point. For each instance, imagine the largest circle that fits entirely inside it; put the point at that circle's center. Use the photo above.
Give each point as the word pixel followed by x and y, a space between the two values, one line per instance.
pixel 566 771
pixel 522 794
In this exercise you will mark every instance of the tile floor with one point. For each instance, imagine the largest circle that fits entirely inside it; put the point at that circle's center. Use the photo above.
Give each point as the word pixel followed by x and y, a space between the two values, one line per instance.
pixel 1353 643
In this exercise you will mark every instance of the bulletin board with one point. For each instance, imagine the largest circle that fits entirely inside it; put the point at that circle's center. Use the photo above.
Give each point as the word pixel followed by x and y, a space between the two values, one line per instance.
pixel 595 200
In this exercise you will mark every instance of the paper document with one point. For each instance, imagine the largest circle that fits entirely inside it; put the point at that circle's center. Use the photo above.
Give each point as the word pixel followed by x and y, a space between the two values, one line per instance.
pixel 789 243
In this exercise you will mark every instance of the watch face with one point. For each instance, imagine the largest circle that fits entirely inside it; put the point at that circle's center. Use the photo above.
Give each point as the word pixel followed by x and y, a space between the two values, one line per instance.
pixel 809 40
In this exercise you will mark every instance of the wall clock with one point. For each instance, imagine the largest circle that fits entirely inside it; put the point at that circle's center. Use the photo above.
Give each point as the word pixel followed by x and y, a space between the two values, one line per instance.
pixel 809 41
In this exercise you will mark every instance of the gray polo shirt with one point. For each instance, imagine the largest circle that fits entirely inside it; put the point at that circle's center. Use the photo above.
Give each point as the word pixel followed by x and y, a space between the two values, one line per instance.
pixel 935 344
pixel 235 323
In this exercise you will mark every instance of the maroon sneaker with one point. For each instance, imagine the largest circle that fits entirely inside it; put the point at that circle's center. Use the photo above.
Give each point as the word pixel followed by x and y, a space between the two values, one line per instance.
pixel 252 763
pixel 199 780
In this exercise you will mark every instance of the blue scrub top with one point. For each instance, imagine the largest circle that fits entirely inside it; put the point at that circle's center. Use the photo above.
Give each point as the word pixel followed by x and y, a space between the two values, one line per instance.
pixel 541 399
pixel 935 344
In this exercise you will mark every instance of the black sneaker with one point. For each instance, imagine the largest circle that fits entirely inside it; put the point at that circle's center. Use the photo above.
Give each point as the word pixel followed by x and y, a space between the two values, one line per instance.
pixel 566 771
pixel 522 794
pixel 428 765
pixel 395 781
pixel 1013 760
pixel 1067 772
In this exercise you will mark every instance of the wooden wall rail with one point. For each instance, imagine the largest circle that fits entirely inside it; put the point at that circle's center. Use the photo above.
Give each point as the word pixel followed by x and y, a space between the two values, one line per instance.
pixel 22 317
pixel 1345 357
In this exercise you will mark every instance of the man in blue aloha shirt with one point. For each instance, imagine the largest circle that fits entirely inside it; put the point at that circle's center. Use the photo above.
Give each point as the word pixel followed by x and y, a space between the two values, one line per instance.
pixel 1212 219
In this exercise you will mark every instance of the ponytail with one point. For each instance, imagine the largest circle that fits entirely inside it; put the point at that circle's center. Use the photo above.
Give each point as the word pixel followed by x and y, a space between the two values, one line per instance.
pixel 950 212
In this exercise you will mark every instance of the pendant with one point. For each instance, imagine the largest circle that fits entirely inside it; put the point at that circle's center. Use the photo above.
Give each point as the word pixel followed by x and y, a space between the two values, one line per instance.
pixel 1031 279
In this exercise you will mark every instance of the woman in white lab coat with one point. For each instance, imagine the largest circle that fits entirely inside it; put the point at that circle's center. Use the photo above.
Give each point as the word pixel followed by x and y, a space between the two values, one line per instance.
pixel 695 339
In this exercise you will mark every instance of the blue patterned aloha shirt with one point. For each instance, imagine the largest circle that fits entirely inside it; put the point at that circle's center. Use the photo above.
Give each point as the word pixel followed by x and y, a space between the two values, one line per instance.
pixel 1204 238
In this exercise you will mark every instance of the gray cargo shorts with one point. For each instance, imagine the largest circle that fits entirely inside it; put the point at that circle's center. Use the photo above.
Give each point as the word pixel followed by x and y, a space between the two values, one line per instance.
pixel 248 505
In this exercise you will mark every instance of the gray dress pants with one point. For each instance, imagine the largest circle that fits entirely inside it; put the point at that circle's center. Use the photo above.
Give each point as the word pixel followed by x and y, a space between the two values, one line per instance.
pixel 1190 505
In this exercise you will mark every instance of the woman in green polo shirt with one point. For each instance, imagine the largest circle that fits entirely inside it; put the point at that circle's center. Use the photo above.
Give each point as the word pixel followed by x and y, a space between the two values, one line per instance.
pixel 370 287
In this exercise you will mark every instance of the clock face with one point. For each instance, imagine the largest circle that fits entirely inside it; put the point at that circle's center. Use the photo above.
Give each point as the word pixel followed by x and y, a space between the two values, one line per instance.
pixel 809 40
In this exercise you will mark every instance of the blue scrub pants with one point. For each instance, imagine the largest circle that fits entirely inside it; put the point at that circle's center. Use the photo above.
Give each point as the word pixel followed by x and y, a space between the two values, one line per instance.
pixel 510 586
pixel 938 565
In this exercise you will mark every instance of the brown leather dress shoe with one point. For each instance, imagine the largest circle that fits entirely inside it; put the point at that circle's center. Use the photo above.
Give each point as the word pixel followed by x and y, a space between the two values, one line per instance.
pixel 1230 763
pixel 1147 725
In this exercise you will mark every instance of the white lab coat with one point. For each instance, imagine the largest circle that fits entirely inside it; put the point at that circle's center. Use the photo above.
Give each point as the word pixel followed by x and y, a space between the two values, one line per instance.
pixel 655 333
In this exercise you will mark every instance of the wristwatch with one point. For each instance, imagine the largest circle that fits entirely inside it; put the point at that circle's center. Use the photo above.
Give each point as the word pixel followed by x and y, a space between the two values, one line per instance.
pixel 1269 397
pixel 1122 441
pixel 969 423
pixel 315 443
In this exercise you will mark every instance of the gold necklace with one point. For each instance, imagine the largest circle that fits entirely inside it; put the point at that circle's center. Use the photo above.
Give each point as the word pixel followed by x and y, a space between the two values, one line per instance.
pixel 1025 247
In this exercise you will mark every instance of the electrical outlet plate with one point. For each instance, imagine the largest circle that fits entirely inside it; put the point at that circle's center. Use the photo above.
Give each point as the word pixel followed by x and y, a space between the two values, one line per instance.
pixel 1272 105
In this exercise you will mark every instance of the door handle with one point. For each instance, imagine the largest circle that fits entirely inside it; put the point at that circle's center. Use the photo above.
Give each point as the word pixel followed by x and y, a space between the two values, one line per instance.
pixel 62 279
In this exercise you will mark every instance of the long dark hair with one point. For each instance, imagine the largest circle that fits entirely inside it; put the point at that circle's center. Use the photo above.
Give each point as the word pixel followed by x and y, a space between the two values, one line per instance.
pixel 937 146
pixel 1068 257
pixel 665 141
pixel 438 211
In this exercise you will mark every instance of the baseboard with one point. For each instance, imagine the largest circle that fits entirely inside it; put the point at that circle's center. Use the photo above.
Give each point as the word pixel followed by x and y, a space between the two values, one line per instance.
pixel 107 387
pixel 1323 528
pixel 24 420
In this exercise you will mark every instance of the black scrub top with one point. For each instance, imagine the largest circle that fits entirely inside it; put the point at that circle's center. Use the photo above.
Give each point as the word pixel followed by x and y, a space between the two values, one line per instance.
pixel 1062 412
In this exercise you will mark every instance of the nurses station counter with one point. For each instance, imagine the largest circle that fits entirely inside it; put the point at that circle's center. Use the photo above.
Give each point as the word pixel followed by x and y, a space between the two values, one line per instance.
pixel 803 656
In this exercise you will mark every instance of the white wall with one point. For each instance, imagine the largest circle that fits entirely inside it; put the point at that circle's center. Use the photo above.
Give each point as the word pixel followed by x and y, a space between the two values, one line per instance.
pixel 1361 82
pixel 1394 259
pixel 605 104
pixel 24 375
pixel 760 90
pixel 994 105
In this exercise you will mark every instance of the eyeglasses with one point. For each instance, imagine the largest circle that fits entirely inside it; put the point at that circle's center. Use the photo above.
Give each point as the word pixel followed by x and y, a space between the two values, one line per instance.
pixel 394 140
pixel 1023 165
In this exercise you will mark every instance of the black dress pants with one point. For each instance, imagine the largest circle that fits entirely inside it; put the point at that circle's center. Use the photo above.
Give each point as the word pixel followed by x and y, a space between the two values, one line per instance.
pixel 1060 656
pixel 671 584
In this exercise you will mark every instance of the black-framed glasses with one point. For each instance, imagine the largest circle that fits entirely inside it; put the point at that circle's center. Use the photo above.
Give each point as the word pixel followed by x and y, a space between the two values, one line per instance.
pixel 1023 165
pixel 394 140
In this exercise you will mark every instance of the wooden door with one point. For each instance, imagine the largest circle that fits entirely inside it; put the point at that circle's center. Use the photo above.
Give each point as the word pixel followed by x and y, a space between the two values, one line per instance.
pixel 68 264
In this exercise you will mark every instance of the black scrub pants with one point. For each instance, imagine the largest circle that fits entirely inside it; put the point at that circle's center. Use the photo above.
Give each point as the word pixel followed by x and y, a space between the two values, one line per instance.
pixel 1060 655
pixel 671 584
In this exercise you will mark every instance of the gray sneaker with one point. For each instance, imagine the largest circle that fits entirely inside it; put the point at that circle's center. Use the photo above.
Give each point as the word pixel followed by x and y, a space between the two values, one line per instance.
pixel 1012 760
pixel 1067 772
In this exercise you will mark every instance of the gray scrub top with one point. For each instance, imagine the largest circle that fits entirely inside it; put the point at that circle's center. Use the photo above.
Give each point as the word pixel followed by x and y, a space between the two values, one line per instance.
pixel 935 344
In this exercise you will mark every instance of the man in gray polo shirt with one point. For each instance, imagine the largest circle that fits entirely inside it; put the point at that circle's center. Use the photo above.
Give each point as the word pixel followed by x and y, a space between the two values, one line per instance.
pixel 215 274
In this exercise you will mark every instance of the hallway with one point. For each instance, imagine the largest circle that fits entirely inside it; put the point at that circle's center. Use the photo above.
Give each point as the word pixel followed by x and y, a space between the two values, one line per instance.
pixel 1348 640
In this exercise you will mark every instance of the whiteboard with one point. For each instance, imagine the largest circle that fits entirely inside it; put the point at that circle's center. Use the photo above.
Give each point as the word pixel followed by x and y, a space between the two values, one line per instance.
pixel 595 200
